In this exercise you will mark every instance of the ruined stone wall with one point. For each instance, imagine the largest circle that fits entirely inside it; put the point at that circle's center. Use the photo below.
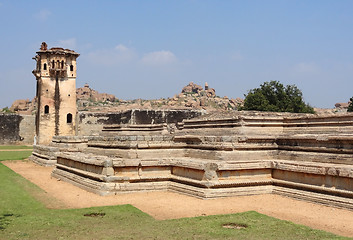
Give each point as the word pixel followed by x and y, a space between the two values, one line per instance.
pixel 161 116
pixel 16 129
pixel 10 128
pixel 20 129
pixel 93 123
pixel 27 129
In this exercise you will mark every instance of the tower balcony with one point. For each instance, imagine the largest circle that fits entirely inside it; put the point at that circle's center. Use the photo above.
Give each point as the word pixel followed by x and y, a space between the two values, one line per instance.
pixel 57 72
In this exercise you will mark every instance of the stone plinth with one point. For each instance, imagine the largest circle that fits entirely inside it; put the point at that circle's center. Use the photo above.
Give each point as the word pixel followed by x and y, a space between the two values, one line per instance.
pixel 215 158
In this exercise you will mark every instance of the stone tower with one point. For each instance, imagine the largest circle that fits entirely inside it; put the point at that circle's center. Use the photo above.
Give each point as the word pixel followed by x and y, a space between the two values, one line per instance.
pixel 56 93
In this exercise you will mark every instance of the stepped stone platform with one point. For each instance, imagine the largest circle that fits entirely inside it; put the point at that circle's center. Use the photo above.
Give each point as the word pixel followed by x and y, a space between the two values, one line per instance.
pixel 301 156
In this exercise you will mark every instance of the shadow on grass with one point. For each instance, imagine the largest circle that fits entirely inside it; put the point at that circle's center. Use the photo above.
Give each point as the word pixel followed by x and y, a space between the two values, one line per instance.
pixel 6 218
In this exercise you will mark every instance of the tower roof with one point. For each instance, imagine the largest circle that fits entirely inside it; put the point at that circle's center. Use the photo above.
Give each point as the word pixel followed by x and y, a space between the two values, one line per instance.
pixel 56 50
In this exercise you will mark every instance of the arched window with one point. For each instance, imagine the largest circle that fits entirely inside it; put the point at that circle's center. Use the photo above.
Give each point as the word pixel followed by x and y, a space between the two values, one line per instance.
pixel 71 67
pixel 69 118
pixel 53 64
pixel 45 66
pixel 46 109
pixel 62 64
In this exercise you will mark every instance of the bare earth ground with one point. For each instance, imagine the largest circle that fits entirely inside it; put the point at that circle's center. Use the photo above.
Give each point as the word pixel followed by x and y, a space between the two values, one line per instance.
pixel 168 205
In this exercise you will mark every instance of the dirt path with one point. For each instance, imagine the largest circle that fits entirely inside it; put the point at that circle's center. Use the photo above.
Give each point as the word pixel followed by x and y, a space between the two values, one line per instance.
pixel 167 205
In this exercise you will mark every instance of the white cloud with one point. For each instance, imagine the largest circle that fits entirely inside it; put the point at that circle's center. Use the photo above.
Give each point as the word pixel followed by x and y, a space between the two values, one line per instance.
pixel 67 43
pixel 307 67
pixel 121 48
pixel 159 58
pixel 43 15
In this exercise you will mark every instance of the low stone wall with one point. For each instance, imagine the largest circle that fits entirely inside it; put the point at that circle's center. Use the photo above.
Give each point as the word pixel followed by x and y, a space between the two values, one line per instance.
pixel 131 129
pixel 333 124
pixel 108 175
pixel 44 155
pixel 238 125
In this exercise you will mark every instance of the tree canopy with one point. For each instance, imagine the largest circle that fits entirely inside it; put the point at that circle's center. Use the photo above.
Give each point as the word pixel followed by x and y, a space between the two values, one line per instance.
pixel 273 96
pixel 350 106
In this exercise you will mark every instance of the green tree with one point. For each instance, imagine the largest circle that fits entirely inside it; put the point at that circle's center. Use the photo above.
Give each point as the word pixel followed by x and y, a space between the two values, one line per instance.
pixel 273 96
pixel 350 106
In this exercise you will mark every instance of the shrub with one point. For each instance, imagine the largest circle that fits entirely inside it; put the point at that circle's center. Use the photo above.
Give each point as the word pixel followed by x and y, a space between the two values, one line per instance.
pixel 274 97
pixel 350 106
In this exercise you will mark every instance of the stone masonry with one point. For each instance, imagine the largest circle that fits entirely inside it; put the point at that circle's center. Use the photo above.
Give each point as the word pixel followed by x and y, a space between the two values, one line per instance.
pixel 300 156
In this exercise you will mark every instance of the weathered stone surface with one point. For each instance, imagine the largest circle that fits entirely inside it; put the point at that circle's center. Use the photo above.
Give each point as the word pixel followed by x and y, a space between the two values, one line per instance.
pixel 16 129
pixel 44 155
pixel 131 120
pixel 10 128
pixel 210 158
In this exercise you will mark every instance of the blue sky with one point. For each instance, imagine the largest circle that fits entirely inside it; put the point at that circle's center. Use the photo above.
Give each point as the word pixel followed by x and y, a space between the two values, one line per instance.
pixel 151 49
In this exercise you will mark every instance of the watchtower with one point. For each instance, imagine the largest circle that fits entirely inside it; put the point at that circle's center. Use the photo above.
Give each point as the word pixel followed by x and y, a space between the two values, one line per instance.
pixel 56 93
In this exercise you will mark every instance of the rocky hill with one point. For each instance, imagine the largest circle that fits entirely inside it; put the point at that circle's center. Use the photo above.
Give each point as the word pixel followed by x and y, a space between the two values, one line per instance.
pixel 88 94
pixel 22 106
pixel 192 96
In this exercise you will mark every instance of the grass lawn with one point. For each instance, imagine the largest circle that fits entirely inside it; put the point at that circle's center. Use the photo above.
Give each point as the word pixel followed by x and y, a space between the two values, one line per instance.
pixel 22 216
pixel 15 147
pixel 15 155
